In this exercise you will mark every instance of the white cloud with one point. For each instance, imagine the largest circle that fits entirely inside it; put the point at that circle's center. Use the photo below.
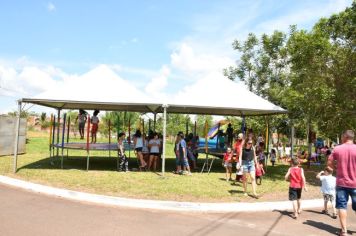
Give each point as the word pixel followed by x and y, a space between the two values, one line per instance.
pixel 158 83
pixel 101 83
pixel 302 17
pixel 51 7
pixel 186 60
pixel 134 40
pixel 28 81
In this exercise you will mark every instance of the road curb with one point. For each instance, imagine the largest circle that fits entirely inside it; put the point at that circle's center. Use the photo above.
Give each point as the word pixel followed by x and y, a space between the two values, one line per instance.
pixel 158 205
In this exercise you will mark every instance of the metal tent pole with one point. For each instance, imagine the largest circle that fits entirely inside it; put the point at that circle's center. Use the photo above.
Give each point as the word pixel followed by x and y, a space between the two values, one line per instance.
pixel 88 131
pixel 63 134
pixel 53 137
pixel 50 138
pixel 109 124
pixel 58 127
pixel 292 141
pixel 16 146
pixel 164 138
pixel 68 133
pixel 154 122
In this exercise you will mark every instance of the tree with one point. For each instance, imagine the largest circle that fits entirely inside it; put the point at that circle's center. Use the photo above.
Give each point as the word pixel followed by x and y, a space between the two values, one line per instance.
pixel 311 73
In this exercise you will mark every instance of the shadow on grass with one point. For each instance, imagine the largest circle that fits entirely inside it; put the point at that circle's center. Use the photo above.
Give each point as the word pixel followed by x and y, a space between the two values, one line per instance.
pixel 98 163
pixel 234 191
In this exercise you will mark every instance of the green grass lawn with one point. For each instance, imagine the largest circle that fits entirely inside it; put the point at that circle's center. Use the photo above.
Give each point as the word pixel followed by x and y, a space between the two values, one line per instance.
pixel 102 178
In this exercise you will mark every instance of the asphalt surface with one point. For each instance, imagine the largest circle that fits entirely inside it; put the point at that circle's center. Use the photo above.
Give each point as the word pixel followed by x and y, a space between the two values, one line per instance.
pixel 28 213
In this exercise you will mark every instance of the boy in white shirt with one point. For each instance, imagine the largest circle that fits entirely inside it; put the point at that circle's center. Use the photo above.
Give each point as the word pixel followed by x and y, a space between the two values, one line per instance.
pixel 328 185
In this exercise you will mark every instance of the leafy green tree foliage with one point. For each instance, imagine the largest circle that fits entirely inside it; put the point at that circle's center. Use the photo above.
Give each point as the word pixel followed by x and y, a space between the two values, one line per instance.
pixel 310 73
pixel 201 123
pixel 119 122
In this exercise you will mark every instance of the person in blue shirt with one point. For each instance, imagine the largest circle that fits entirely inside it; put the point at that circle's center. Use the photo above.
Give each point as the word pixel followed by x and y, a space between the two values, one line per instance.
pixel 182 153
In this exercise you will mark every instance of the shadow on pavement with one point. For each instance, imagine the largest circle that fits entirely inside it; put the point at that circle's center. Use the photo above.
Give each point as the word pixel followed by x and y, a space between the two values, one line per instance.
pixel 322 226
pixel 282 213
pixel 313 211
pixel 213 226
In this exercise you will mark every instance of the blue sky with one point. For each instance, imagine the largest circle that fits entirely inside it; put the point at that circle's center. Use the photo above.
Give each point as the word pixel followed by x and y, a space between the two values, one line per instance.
pixel 159 46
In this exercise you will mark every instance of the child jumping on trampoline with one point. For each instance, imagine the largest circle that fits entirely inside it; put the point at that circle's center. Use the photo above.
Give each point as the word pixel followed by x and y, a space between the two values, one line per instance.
pixel 95 124
pixel 82 118
pixel 122 161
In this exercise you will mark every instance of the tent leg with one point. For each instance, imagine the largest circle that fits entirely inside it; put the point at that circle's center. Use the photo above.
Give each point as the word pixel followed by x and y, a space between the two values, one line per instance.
pixel 206 163
pixel 154 121
pixel 164 138
pixel 62 159
pixel 292 141
pixel 58 123
pixel 16 146
pixel 211 164
pixel 87 160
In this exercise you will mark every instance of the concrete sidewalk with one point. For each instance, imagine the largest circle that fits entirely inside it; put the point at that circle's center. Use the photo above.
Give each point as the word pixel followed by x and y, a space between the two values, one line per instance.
pixel 158 205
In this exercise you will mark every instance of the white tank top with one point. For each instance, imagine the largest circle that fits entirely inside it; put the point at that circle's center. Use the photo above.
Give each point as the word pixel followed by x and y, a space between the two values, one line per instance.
pixel 139 143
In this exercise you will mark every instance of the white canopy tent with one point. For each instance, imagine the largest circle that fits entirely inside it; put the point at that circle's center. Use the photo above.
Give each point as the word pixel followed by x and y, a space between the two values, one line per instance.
pixel 216 97
pixel 220 96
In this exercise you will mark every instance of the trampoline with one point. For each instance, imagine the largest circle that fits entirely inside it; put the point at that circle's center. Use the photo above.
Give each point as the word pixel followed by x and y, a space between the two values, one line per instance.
pixel 92 146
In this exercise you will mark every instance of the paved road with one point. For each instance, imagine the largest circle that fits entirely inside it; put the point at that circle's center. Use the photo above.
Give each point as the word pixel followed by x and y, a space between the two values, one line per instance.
pixel 27 213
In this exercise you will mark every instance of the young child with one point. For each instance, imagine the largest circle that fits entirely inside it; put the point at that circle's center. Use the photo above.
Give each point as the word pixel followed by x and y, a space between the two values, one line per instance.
pixel 94 120
pixel 82 118
pixel 123 164
pixel 273 156
pixel 259 172
pixel 227 163
pixel 328 184
pixel 295 176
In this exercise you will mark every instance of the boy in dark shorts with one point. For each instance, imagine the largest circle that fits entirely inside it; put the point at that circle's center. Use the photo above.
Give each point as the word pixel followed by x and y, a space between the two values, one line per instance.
pixel 295 176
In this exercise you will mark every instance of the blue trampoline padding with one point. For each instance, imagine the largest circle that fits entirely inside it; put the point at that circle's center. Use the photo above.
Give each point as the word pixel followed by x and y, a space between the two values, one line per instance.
pixel 92 146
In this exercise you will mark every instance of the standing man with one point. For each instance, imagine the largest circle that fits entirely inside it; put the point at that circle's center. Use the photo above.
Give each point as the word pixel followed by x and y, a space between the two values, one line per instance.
pixel 182 152
pixel 343 158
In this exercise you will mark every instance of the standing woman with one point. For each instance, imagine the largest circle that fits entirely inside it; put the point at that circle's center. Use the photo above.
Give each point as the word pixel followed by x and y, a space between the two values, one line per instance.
pixel 154 145
pixel 138 144
pixel 248 161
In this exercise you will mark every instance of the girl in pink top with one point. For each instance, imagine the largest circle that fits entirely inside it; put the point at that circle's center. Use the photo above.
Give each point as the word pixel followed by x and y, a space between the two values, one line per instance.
pixel 295 176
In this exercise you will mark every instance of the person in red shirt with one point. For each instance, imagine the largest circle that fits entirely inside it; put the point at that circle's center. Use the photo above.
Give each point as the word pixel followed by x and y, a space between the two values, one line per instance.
pixel 343 159
pixel 237 148
pixel 295 176
pixel 227 163
pixel 259 172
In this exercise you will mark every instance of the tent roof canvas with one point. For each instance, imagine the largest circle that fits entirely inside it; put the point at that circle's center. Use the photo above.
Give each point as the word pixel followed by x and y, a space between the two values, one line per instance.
pixel 221 96
pixel 103 89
